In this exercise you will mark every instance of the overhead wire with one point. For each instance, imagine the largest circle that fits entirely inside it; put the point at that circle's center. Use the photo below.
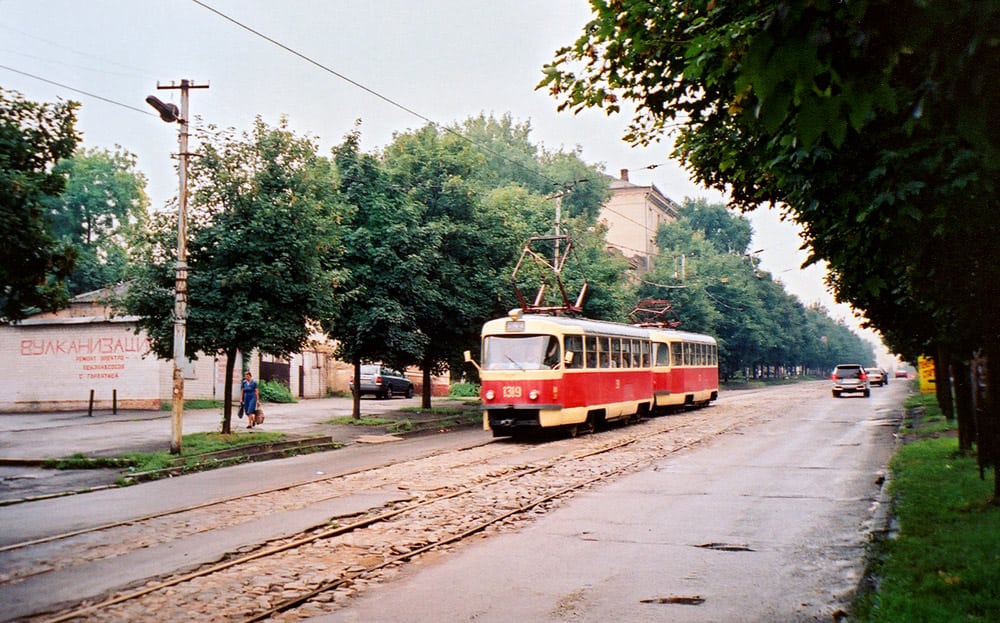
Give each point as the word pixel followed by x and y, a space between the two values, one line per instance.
pixel 75 90
pixel 375 93
pixel 561 185
pixel 135 71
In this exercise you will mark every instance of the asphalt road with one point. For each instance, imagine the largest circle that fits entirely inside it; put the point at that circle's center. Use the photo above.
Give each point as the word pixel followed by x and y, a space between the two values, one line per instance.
pixel 768 524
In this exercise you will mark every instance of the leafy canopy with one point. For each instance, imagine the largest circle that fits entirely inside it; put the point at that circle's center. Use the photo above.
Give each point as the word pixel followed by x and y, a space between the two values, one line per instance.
pixel 103 206
pixel 263 252
pixel 34 266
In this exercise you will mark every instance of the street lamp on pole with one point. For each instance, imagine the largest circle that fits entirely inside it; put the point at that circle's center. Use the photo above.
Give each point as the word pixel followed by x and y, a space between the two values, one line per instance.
pixel 170 114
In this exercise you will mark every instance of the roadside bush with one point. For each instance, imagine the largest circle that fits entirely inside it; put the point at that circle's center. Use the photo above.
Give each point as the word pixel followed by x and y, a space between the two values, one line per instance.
pixel 464 390
pixel 275 391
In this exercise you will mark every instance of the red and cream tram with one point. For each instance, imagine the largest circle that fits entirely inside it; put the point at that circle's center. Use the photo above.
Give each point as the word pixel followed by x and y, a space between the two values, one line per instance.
pixel 542 372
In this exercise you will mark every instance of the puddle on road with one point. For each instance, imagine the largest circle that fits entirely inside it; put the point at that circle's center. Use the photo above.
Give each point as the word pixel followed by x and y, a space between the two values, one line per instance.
pixel 725 547
pixel 694 600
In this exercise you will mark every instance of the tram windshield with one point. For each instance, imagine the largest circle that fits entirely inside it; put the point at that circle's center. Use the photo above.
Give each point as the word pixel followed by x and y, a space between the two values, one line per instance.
pixel 521 352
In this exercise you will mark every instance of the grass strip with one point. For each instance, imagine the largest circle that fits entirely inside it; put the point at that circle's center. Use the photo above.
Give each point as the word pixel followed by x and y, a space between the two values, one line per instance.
pixel 193 446
pixel 943 562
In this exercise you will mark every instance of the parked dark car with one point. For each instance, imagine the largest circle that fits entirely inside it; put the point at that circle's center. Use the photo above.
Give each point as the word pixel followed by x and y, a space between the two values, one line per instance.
pixel 383 382
pixel 850 378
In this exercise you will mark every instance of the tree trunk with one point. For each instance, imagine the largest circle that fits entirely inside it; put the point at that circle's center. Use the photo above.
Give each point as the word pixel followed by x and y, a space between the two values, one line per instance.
pixel 227 393
pixel 425 394
pixel 964 406
pixel 356 393
pixel 985 382
pixel 942 384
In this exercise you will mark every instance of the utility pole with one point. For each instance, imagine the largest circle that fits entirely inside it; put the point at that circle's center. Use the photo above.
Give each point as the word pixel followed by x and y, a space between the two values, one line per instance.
pixel 170 114
pixel 558 228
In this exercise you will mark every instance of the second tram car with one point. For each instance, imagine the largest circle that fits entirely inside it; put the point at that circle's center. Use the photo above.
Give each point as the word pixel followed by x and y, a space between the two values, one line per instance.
pixel 541 372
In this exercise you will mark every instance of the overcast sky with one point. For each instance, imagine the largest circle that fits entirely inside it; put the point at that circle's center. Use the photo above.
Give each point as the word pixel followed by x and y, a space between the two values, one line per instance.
pixel 443 60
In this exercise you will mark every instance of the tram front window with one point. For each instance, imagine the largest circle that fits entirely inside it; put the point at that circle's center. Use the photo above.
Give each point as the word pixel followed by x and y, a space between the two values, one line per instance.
pixel 522 352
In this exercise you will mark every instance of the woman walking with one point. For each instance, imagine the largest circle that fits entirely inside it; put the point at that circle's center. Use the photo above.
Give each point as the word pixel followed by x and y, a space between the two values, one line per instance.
pixel 251 398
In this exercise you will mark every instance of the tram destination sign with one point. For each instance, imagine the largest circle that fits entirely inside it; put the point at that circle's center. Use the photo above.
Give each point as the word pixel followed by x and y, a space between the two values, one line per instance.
pixel 515 326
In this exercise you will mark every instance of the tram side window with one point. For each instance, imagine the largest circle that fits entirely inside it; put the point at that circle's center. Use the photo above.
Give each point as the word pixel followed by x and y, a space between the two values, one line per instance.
pixel 574 344
pixel 676 354
pixel 715 355
pixel 616 352
pixel 687 354
pixel 644 350
pixel 605 352
pixel 662 354
pixel 626 353
pixel 552 358
pixel 591 342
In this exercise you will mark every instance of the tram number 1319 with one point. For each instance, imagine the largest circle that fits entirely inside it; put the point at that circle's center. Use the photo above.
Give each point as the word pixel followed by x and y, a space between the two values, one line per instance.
pixel 511 391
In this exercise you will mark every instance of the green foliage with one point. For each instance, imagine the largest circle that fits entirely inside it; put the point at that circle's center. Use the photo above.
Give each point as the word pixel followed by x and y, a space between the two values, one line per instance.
pixel 464 249
pixel 463 390
pixel 872 123
pixel 264 250
pixel 437 227
pixel 34 265
pixel 376 321
pixel 102 208
pixel 716 288
pixel 275 391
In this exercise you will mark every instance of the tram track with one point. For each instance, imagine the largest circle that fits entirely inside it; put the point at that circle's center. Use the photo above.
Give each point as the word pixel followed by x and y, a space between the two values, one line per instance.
pixel 213 514
pixel 438 518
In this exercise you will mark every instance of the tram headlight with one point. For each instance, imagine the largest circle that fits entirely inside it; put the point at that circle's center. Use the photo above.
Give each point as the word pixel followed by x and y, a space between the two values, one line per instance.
pixel 489 394
pixel 533 394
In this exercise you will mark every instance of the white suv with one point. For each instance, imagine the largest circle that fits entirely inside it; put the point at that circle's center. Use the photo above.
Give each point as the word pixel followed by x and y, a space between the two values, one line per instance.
pixel 850 378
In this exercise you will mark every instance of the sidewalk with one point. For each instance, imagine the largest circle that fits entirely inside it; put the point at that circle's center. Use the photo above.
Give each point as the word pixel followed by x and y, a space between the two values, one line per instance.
pixel 27 438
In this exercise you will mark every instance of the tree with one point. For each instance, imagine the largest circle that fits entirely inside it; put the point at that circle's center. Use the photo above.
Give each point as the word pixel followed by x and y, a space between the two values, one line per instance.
pixel 102 207
pixel 34 266
pixel 464 250
pixel 440 218
pixel 714 288
pixel 383 250
pixel 873 123
pixel 264 250
pixel 728 233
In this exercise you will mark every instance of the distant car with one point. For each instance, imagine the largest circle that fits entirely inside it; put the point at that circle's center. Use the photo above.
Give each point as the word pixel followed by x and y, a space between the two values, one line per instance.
pixel 902 374
pixel 382 382
pixel 877 376
pixel 850 378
